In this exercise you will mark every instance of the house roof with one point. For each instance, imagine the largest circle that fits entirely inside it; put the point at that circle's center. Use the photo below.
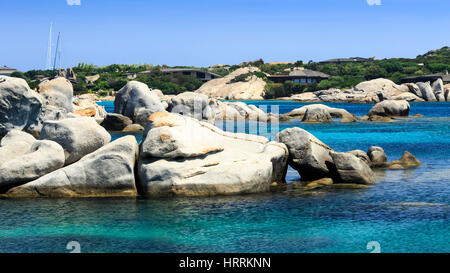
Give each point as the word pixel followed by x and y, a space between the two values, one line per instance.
pixel 347 60
pixel 168 70
pixel 308 73
pixel 444 76
pixel 7 68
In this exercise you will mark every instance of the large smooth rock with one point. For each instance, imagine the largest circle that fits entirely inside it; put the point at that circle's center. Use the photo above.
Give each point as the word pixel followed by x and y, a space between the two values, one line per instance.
pixel 222 88
pixel 447 92
pixel 185 157
pixel 109 171
pixel 135 96
pixel 334 112
pixel 58 92
pixel 86 107
pixel 390 108
pixel 438 90
pixel 351 169
pixel 116 122
pixel 414 89
pixel 427 91
pixel 43 157
pixel 14 144
pixel 377 156
pixel 361 155
pixel 191 104
pixel 20 106
pixel 78 136
pixel 307 154
pixel 317 115
pixel 407 161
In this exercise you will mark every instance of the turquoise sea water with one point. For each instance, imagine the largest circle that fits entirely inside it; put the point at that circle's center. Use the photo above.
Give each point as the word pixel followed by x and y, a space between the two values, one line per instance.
pixel 405 211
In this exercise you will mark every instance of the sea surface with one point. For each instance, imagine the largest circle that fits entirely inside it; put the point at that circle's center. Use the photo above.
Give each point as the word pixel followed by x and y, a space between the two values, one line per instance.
pixel 405 211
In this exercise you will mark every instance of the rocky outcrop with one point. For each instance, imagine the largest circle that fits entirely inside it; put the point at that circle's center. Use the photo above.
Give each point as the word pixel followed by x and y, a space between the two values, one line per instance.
pixel 42 157
pixel 343 114
pixel 438 90
pixel 78 136
pixel 390 108
pixel 447 92
pixel 351 169
pixel 407 161
pixel 315 115
pixel 251 88
pixel 427 91
pixel 20 106
pixel 377 156
pixel 192 105
pixel 372 91
pixel 85 107
pixel 116 122
pixel 109 171
pixel 14 144
pixel 185 157
pixel 307 154
pixel 414 89
pixel 136 101
pixel 58 92
pixel 361 155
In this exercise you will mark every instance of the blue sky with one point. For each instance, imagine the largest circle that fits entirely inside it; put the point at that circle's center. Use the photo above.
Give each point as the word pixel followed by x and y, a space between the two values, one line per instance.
pixel 207 32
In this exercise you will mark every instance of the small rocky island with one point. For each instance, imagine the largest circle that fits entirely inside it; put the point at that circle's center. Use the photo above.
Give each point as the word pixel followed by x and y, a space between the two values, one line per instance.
pixel 51 147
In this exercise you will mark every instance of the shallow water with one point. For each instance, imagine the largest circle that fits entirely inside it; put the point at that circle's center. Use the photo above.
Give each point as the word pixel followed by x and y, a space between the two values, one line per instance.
pixel 405 211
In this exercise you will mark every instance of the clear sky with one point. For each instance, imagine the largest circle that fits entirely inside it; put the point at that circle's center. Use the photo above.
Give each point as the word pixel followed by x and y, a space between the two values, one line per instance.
pixel 207 32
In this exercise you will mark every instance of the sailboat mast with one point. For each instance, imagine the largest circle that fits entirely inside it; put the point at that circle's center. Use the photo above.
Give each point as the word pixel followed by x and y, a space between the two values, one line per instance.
pixel 56 51
pixel 48 64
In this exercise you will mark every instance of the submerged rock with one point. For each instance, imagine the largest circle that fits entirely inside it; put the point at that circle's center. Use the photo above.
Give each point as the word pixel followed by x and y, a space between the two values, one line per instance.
pixel 133 128
pixel 352 170
pixel 181 156
pixel 136 101
pixel 78 136
pixel 307 154
pixel 407 161
pixel 43 157
pixel 109 171
pixel 377 156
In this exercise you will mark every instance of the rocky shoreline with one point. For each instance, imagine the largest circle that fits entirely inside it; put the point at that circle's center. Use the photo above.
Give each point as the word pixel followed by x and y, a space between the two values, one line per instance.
pixel 50 147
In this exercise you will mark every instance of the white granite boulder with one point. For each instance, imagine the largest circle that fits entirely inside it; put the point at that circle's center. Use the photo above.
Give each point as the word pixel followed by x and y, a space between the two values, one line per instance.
pixel 427 91
pixel 20 107
pixel 109 171
pixel 136 101
pixel 307 154
pixel 43 157
pixel 58 92
pixel 351 169
pixel 181 156
pixel 438 90
pixel 390 108
pixel 78 136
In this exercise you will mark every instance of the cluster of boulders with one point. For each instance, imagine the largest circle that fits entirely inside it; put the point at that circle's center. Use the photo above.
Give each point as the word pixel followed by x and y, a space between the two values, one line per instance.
pixel 320 113
pixel 47 150
pixel 384 111
pixel 377 90
pixel 135 103
pixel 314 160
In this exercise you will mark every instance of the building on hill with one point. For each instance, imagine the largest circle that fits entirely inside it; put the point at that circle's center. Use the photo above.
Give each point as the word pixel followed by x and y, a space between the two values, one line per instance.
pixel 299 75
pixel 427 78
pixel 348 60
pixel 7 71
pixel 196 73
